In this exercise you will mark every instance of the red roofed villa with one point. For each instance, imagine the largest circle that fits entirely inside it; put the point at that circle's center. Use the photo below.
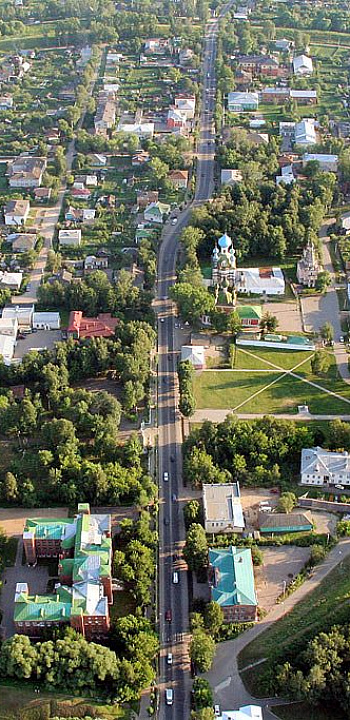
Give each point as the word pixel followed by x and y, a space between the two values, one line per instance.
pixel 81 327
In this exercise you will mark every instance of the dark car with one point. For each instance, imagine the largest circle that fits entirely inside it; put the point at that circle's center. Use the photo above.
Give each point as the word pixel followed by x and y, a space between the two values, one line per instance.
pixel 168 615
pixel 166 521
pixel 175 557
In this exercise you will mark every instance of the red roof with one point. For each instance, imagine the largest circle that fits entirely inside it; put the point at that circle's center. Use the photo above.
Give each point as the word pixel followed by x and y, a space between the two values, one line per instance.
pixel 83 192
pixel 102 326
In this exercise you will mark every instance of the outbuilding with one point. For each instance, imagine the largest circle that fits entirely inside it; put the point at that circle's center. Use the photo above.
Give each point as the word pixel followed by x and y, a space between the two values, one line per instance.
pixel 46 320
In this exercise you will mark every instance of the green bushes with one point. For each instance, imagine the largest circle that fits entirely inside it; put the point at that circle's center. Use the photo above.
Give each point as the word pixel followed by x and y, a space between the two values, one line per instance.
pixel 187 403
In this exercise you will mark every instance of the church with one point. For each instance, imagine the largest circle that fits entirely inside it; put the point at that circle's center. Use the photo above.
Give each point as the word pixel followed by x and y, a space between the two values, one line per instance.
pixel 308 266
pixel 227 277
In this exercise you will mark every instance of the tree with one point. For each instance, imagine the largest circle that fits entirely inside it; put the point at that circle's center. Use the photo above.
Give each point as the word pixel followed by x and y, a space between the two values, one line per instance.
pixel 268 323
pixel 327 333
pixel 323 281
pixel 9 489
pixel 192 302
pixel 192 512
pixel 206 713
pixel 257 556
pixel 196 548
pixel 201 693
pixel 339 435
pixel 320 362
pixel 214 618
pixel 202 650
pixel 235 323
pixel 286 502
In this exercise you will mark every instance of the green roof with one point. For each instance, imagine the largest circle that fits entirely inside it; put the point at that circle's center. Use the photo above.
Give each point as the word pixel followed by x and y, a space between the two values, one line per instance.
pixel 233 576
pixel 249 312
pixel 52 529
pixel 48 608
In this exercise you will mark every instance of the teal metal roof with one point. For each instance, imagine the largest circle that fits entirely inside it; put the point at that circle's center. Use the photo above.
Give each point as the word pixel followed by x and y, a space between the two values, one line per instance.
pixel 233 576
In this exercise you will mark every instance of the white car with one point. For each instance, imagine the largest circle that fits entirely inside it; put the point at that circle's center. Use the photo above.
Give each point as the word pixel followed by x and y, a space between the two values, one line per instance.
pixel 166 477
pixel 169 696
pixel 217 710
pixel 174 221
pixel 169 658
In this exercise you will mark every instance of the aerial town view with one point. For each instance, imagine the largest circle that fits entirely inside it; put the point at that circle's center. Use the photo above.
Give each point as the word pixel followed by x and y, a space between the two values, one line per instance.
pixel 175 360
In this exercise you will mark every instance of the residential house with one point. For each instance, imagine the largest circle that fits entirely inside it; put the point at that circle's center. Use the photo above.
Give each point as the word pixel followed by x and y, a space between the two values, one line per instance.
pixel 97 160
pixel 271 523
pixel 46 320
pixel 85 180
pixel 140 158
pixel 305 132
pixel 345 222
pixel 302 65
pixel 242 101
pixel 304 97
pixel 143 233
pixel 194 355
pixel 81 328
pixel 105 116
pixel 231 579
pixel 287 175
pixel 143 130
pixel 258 138
pixel 81 193
pixel 260 65
pixel 83 547
pixel 146 197
pixel 26 171
pixel 79 214
pixel 156 212
pixel 284 45
pixel 342 129
pixel 187 105
pixel 222 508
pixel 323 467
pixel 157 46
pixel 287 129
pixel 179 179
pixel 22 242
pixel 16 212
pixel 275 94
pixel 176 118
pixel 69 238
pixel 247 712
pixel 42 194
pixel 22 313
pixel 185 57
pixel 92 262
pixel 230 176
pixel 10 280
pixel 52 136
pixel 260 281
pixel 6 102
pixel 243 79
pixel 242 14
pixel 249 315
pixel 7 348
pixel 327 163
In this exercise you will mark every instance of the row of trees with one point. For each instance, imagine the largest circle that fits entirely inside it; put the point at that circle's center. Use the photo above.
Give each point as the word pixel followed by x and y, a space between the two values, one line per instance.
pixel 187 403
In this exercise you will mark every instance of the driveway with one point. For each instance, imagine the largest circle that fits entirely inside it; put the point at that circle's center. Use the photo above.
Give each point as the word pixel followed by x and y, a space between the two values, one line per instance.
pixel 43 339
pixel 225 680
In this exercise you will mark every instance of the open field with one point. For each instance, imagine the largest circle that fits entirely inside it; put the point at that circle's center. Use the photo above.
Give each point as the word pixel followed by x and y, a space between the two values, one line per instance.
pixel 17 702
pixel 321 609
pixel 272 391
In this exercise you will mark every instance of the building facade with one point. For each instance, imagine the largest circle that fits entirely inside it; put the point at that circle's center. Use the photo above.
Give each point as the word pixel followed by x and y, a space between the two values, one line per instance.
pixel 324 468
pixel 308 266
pixel 231 579
pixel 222 508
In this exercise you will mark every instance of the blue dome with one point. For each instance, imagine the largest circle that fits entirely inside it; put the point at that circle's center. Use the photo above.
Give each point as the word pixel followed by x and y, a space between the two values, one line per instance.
pixel 225 241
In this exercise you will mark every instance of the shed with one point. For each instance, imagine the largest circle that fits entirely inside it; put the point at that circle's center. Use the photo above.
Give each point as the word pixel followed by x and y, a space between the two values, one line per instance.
pixel 285 522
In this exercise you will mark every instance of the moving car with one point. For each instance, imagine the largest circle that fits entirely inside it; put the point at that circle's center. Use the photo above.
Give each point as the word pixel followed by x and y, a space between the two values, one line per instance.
pixel 169 696
pixel 169 658
pixel 174 221
pixel 175 578
pixel 166 477
pixel 168 615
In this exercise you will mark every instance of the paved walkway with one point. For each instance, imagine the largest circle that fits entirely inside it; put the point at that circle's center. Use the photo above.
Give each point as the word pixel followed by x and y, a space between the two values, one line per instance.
pixel 228 687
pixel 218 416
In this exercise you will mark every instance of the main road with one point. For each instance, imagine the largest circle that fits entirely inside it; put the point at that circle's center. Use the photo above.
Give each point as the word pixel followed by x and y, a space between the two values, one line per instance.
pixel 173 598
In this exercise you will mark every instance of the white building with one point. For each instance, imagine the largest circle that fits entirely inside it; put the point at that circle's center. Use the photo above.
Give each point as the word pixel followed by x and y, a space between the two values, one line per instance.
pixel 302 65
pixel 156 211
pixel 69 238
pixel 284 44
pixel 195 354
pixel 345 221
pixel 16 212
pixel 260 281
pixel 242 101
pixel 6 102
pixel 11 280
pixel 305 132
pixel 7 348
pixel 22 313
pixel 230 177
pixel 247 712
pixel 46 320
pixel 187 105
pixel 327 163
pixel 9 326
pixel 141 129
pixel 323 467
pixel 287 175
pixel 222 508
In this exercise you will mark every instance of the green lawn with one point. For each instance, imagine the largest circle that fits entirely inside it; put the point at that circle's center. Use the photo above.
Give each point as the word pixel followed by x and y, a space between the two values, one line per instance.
pixel 325 606
pixel 217 389
pixel 17 701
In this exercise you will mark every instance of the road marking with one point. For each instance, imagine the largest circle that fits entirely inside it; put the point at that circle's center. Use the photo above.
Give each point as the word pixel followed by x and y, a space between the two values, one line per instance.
pixel 224 684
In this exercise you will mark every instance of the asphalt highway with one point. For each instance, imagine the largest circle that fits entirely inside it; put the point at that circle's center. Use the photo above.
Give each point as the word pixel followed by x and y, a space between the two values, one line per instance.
pixel 173 597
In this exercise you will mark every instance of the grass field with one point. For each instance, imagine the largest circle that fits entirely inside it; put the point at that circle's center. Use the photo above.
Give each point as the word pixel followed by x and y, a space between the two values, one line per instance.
pixel 282 393
pixel 321 609
pixel 19 702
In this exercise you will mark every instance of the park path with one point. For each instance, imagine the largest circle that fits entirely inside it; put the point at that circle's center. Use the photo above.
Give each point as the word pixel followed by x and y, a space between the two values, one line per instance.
pixel 228 687
pixel 218 416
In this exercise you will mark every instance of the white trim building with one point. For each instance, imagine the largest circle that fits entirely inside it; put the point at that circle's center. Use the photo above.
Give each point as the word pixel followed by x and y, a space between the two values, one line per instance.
pixel 222 508
pixel 302 65
pixel 322 467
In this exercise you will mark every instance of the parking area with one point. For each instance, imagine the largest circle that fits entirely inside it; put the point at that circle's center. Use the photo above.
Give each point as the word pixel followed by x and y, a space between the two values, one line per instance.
pixel 40 340
pixel 287 314
pixel 281 564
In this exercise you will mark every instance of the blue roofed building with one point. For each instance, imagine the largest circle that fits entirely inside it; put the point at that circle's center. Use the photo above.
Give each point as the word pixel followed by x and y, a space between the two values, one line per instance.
pixel 231 577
